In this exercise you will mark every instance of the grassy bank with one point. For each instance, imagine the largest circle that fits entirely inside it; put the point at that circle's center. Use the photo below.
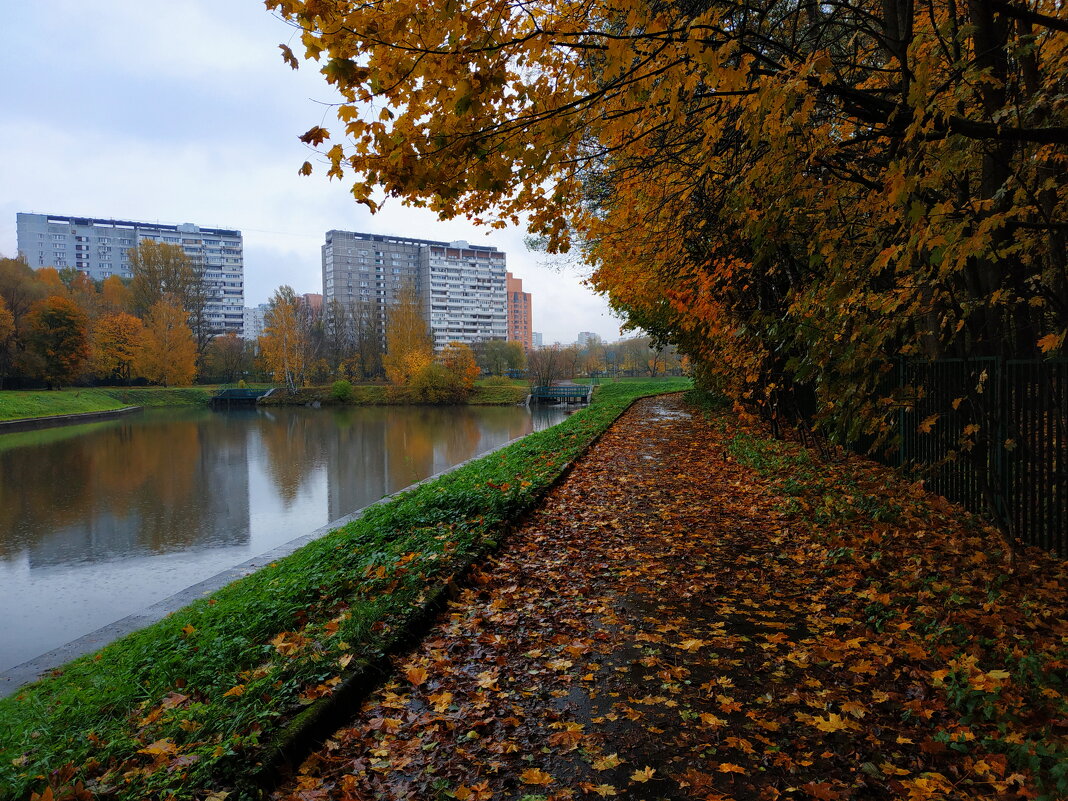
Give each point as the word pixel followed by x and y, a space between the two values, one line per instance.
pixel 22 404
pixel 385 395
pixel 18 405
pixel 194 703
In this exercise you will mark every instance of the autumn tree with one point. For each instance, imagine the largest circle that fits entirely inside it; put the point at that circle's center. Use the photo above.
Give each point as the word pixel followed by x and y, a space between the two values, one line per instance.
pixel 227 358
pixel 169 353
pixel 58 336
pixel 115 295
pixel 18 288
pixel 162 271
pixel 7 337
pixel 117 342
pixel 459 360
pixel 52 283
pixel 409 347
pixel 284 344
pixel 544 366
pixel 495 356
pixel 794 195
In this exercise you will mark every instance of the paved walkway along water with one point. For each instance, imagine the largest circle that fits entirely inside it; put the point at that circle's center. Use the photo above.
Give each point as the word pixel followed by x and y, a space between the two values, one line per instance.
pixel 663 628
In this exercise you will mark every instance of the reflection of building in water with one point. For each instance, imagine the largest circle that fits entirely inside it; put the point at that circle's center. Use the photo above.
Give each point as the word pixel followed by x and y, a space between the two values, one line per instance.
pixel 358 462
pixel 135 488
pixel 376 451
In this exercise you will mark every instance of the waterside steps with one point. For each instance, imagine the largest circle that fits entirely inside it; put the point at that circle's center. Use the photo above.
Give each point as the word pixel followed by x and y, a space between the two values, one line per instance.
pixel 238 396
pixel 568 393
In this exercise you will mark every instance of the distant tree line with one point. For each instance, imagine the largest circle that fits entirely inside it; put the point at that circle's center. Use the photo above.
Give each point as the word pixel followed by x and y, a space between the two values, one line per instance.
pixel 60 327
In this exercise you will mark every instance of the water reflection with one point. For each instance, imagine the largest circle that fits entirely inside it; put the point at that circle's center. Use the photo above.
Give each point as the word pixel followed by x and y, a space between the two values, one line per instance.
pixel 139 486
pixel 98 521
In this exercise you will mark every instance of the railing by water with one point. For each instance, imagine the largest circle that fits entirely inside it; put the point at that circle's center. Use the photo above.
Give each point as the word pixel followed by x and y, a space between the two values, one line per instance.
pixel 566 393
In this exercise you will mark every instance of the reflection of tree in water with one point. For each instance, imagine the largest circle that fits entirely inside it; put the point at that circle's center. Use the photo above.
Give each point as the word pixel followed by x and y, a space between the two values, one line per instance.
pixel 295 443
pixel 460 433
pixel 409 446
pixel 134 486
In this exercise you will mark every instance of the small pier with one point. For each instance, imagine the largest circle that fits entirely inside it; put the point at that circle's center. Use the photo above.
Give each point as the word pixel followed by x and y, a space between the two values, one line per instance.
pixel 566 393
pixel 238 396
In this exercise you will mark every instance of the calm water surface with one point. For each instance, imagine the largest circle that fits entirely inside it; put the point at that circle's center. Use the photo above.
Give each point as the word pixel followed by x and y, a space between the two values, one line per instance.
pixel 99 521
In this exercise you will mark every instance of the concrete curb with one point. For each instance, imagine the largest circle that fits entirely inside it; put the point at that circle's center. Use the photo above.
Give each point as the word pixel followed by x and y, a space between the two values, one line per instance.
pixel 33 423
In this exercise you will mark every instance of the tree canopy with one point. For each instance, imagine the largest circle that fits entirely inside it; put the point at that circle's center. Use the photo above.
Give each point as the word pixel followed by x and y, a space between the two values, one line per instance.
pixel 795 194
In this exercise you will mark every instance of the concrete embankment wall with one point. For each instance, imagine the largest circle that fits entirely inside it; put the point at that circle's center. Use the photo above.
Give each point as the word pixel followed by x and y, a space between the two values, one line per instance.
pixel 31 423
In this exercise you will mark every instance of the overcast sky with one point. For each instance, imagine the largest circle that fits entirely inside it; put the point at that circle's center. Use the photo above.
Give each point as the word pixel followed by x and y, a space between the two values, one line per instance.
pixel 183 111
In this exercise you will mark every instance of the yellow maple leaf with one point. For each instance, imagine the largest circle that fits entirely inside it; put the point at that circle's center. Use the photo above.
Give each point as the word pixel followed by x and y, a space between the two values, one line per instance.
pixel 607 763
pixel 416 675
pixel 159 748
pixel 1051 342
pixel 728 767
pixel 235 691
pixel 832 723
pixel 643 775
pixel 535 776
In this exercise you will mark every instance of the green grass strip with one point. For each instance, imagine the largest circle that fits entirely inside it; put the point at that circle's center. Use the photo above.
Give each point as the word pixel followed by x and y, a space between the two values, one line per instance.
pixel 190 704
pixel 23 404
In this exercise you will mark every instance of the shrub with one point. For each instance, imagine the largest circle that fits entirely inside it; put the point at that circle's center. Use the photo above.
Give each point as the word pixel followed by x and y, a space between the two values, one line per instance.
pixel 497 381
pixel 435 383
pixel 342 391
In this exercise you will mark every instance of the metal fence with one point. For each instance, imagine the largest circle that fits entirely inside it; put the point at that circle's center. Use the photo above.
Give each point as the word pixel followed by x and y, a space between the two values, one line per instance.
pixel 992 435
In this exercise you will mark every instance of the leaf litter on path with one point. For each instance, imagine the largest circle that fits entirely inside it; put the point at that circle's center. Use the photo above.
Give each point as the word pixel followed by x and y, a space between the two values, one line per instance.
pixel 670 625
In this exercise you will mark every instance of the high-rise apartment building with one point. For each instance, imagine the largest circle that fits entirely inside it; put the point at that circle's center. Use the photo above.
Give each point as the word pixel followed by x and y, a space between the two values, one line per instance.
pixel 519 313
pixel 462 286
pixel 254 320
pixel 98 248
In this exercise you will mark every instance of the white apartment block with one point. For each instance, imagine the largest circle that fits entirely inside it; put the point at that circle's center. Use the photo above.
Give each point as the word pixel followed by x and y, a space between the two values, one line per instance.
pixel 98 248
pixel 462 286
pixel 254 321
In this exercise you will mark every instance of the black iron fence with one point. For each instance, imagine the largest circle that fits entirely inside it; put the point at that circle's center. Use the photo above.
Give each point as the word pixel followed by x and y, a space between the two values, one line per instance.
pixel 992 435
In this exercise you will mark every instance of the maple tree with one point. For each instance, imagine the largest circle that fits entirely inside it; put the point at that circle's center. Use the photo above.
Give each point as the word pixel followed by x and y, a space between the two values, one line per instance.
pixel 409 347
pixel 58 336
pixel 794 195
pixel 168 353
pixel 117 340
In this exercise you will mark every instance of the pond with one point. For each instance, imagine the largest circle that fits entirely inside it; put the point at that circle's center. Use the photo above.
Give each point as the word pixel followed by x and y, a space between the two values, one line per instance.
pixel 99 521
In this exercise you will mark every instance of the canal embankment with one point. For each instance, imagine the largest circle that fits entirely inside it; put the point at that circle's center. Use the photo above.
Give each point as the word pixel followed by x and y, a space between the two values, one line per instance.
pixel 388 395
pixel 41 408
pixel 212 695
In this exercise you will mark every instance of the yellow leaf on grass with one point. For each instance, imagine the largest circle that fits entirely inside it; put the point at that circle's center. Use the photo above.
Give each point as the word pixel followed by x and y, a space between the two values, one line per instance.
pixel 159 748
pixel 235 691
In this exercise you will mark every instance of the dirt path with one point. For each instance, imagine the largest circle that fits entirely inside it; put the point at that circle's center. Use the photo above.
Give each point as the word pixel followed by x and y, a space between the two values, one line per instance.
pixel 660 629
